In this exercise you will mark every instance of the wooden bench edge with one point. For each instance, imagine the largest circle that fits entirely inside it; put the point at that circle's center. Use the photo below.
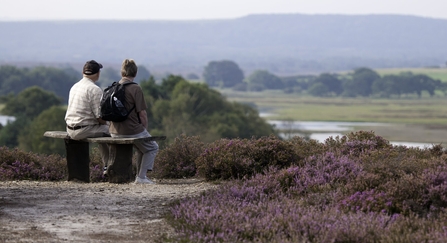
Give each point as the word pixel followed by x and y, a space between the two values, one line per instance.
pixel 56 134
pixel 109 140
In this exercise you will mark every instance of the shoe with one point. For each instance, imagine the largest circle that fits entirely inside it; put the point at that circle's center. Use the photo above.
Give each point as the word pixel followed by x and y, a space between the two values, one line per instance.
pixel 138 180
pixel 105 171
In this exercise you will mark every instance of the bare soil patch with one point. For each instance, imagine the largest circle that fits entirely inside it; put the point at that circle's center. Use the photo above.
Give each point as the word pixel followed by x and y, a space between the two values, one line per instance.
pixel 33 211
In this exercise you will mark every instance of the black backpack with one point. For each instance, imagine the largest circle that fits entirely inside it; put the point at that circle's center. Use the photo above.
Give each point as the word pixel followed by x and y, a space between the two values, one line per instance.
pixel 113 103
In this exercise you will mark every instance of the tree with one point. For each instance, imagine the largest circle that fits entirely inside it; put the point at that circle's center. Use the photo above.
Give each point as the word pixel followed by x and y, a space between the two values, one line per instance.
pixel 14 80
pixel 318 89
pixel 223 73
pixel 151 89
pixel 331 82
pixel 10 132
pixel 361 82
pixel 426 83
pixel 30 103
pixel 266 79
pixel 405 83
pixel 194 109
pixel 7 71
pixel 387 86
pixel 108 76
pixel 27 105
pixel 154 93
pixel 297 83
pixel 50 79
pixel 31 137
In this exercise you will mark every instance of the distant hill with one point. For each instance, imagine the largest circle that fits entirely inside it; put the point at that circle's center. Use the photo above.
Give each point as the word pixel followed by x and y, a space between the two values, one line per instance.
pixel 282 43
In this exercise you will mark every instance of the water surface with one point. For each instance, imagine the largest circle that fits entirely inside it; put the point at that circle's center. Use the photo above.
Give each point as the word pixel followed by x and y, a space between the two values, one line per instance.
pixel 322 130
pixel 4 119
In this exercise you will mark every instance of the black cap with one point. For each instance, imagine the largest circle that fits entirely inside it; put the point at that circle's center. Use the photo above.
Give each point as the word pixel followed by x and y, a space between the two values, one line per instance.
pixel 91 67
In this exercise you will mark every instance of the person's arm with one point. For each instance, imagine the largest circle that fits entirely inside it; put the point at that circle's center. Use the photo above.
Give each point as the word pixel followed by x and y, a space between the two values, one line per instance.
pixel 143 118
pixel 95 101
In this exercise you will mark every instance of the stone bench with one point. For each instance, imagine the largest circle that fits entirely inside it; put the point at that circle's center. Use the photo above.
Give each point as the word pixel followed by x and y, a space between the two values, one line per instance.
pixel 119 168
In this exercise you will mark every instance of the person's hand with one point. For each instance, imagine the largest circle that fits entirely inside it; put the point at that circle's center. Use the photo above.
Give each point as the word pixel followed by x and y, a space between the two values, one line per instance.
pixel 102 122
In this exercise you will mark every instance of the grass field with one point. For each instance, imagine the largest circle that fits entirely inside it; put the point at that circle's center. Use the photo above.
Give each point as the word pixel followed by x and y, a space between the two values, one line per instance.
pixel 294 107
pixel 409 120
pixel 424 111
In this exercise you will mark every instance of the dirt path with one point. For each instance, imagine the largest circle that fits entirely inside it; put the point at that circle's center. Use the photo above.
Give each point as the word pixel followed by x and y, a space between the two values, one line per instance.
pixel 95 212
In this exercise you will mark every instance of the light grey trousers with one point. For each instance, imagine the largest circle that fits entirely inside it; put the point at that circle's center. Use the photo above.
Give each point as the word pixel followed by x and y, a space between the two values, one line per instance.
pixel 93 131
pixel 147 151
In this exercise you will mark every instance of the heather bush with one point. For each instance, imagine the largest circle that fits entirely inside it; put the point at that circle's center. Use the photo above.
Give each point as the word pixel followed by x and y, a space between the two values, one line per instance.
pixel 16 164
pixel 257 211
pixel 304 148
pixel 354 188
pixel 357 188
pixel 241 158
pixel 435 193
pixel 177 160
pixel 356 143
pixel 367 201
pixel 96 166
pixel 224 159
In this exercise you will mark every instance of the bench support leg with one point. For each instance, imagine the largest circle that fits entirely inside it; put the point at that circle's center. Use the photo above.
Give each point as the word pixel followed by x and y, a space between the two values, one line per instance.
pixel 138 157
pixel 119 168
pixel 78 160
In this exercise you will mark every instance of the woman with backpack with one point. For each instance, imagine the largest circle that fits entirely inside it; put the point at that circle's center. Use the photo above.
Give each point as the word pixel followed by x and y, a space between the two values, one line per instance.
pixel 135 125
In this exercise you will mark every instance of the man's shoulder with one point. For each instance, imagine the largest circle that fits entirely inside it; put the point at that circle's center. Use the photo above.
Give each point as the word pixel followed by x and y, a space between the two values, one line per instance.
pixel 132 86
pixel 84 82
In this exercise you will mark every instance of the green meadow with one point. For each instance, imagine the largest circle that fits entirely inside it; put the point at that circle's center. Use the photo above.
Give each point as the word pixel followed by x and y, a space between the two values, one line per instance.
pixel 280 106
pixel 409 120
pixel 409 110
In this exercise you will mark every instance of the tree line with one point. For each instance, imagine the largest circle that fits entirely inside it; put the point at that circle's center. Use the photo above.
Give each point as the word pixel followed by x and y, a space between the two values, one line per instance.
pixel 362 82
pixel 175 107
pixel 37 97
pixel 13 79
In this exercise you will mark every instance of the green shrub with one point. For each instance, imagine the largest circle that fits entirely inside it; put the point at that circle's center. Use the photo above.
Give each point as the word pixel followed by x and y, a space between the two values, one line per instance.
pixel 176 160
pixel 239 158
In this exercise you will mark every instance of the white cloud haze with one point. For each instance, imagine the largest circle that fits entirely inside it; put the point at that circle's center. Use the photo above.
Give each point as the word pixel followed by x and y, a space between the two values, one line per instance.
pixel 207 9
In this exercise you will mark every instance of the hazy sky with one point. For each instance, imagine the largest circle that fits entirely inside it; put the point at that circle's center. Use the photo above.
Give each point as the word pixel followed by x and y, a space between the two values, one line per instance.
pixel 208 9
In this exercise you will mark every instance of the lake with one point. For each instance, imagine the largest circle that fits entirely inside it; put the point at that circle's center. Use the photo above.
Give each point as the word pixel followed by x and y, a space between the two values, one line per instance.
pixel 320 130
pixel 4 119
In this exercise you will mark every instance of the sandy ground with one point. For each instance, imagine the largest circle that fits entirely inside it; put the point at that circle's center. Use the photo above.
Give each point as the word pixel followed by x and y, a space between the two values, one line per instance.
pixel 33 211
